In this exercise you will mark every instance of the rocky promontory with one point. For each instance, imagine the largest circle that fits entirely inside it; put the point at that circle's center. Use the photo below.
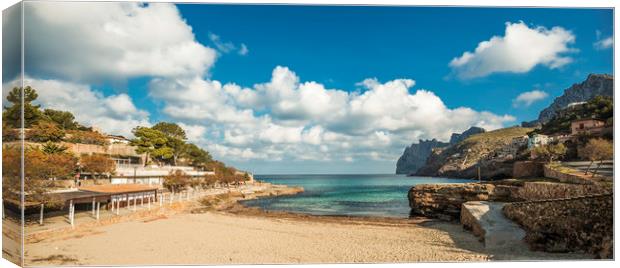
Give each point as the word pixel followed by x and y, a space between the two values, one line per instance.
pixel 594 85
pixel 415 156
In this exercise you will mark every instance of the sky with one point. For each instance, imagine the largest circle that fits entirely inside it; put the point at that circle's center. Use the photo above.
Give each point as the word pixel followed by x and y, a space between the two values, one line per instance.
pixel 306 89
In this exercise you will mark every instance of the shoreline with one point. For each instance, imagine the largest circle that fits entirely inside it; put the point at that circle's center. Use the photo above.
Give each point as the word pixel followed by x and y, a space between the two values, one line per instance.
pixel 230 233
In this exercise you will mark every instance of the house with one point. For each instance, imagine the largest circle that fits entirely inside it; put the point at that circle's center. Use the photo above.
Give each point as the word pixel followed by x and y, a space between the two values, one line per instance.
pixel 117 139
pixel 537 140
pixel 589 126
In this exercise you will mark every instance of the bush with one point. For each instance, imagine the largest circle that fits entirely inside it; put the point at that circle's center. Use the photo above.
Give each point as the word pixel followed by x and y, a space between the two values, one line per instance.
pixel 97 164
pixel 45 131
pixel 176 181
pixel 86 137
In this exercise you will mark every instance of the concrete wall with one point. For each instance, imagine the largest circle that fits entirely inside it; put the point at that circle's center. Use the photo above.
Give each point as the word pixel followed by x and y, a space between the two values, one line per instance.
pixel 582 224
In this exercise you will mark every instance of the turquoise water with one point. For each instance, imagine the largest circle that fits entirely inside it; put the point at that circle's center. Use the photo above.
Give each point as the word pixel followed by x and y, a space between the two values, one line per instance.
pixel 350 195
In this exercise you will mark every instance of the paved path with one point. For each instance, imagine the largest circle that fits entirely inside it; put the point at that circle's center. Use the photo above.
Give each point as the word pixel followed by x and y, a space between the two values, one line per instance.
pixel 499 231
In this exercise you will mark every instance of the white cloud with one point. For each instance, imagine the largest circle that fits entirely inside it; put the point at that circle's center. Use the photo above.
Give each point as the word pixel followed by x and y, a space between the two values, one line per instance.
pixel 114 114
pixel 89 41
pixel 286 118
pixel 227 47
pixel 604 43
pixel 518 51
pixel 526 99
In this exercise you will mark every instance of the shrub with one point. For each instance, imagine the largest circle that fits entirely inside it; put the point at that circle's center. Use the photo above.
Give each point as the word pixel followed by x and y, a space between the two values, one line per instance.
pixel 86 137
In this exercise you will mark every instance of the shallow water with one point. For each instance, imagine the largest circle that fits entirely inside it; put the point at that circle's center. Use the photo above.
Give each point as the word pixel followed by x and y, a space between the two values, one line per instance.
pixel 349 195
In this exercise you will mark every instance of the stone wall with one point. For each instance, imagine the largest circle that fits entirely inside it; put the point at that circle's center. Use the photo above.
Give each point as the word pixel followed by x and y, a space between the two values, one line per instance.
pixel 527 169
pixel 531 191
pixel 583 224
pixel 551 172
pixel 71 183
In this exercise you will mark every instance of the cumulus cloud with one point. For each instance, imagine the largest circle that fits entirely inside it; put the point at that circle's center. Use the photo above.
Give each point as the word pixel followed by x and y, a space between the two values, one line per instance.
pixel 89 41
pixel 115 114
pixel 518 51
pixel 526 99
pixel 287 118
pixel 284 118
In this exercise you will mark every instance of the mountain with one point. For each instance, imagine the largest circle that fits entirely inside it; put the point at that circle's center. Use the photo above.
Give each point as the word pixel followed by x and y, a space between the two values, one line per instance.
pixel 415 156
pixel 461 160
pixel 594 85
pixel 456 138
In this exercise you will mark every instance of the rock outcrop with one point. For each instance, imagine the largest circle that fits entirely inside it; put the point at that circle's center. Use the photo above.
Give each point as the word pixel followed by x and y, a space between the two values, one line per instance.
pixel 456 137
pixel 416 155
pixel 594 85
pixel 443 201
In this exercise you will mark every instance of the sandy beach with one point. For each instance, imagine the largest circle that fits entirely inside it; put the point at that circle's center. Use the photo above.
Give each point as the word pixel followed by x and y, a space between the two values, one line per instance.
pixel 223 238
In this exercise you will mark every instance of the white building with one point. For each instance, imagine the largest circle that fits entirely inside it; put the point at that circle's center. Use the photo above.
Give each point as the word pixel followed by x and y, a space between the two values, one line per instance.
pixel 537 140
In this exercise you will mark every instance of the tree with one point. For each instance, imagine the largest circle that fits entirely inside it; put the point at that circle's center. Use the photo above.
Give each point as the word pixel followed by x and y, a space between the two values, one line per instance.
pixel 197 156
pixel 39 167
pixel 171 129
pixel 596 150
pixel 53 148
pixel 12 115
pixel 176 181
pixel 550 152
pixel 175 136
pixel 151 142
pixel 44 131
pixel 97 164
pixel 63 119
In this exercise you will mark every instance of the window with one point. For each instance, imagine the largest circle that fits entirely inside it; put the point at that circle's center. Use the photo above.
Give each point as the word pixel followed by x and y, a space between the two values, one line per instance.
pixel 581 126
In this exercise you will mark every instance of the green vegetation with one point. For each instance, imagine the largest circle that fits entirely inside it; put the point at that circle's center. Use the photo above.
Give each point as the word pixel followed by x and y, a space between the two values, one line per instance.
pixel 43 126
pixel 599 107
pixel 12 114
pixel 175 138
pixel 550 152
pixel 53 148
pixel 151 142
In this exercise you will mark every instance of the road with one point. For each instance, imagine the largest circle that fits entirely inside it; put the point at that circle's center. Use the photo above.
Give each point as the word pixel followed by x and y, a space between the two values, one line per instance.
pixel 605 169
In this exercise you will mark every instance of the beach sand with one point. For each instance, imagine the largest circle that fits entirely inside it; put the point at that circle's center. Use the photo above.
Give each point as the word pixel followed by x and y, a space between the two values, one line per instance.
pixel 224 238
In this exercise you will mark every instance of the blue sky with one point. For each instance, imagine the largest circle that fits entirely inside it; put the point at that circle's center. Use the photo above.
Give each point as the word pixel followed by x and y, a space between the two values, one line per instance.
pixel 320 42
pixel 310 89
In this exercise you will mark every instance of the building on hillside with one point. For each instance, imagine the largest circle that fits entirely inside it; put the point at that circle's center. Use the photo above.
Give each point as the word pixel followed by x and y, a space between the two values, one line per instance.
pixel 538 140
pixel 588 126
pixel 152 174
pixel 117 139
pixel 510 151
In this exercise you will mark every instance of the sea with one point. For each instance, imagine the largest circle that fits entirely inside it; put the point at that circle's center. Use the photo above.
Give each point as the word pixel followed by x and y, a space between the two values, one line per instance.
pixel 345 195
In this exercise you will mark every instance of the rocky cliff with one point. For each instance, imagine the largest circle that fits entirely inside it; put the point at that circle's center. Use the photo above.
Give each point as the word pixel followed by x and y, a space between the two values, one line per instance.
pixel 456 137
pixel 594 85
pixel 415 156
pixel 462 160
